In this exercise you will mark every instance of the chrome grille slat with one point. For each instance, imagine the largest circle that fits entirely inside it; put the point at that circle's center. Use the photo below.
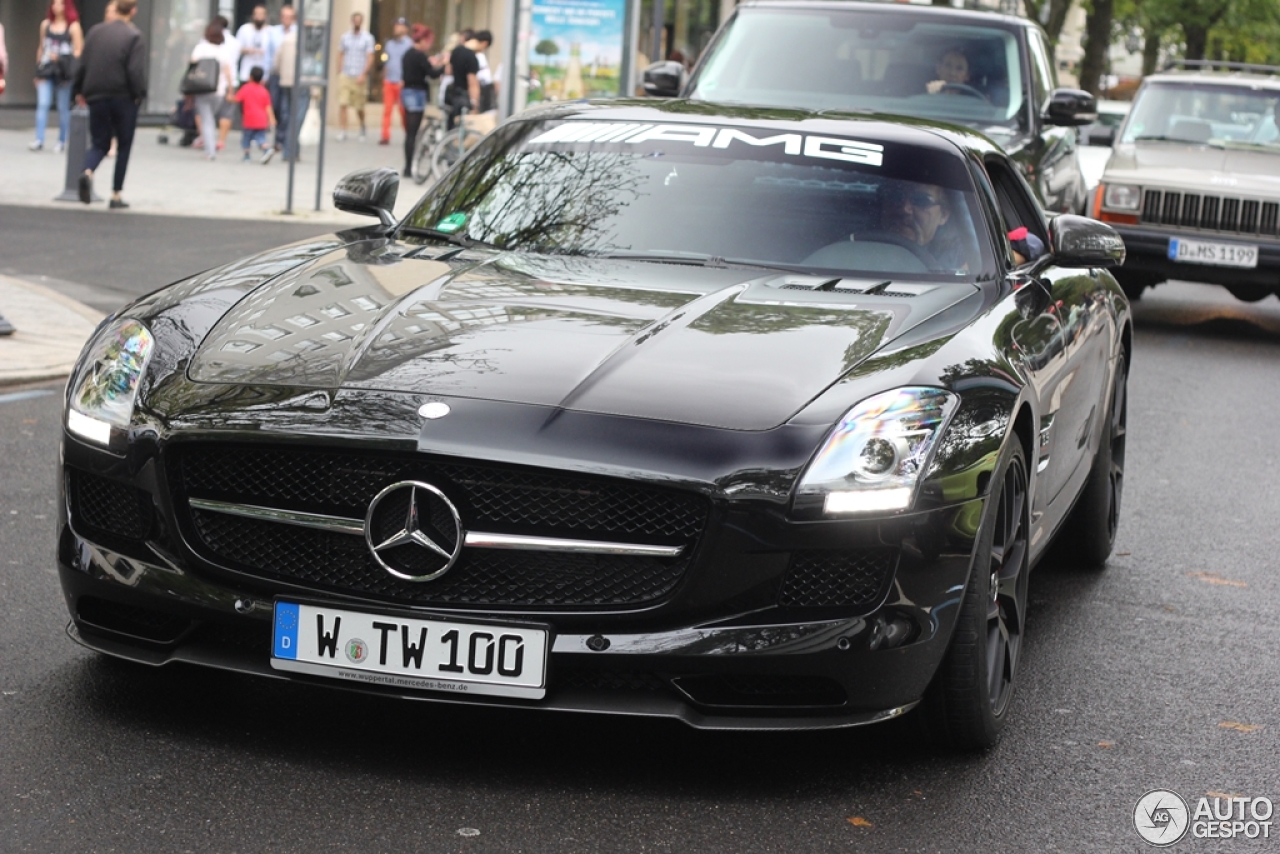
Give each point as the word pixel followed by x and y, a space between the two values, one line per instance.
pixel 1210 213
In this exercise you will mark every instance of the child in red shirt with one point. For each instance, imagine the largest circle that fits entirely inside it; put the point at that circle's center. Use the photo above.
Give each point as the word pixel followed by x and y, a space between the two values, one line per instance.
pixel 255 103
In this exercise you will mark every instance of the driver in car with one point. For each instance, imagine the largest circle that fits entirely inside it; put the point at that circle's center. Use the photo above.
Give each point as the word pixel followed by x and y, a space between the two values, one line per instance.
pixel 919 214
pixel 952 69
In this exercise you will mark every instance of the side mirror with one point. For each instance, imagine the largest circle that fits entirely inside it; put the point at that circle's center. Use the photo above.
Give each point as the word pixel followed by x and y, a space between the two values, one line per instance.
pixel 1071 108
pixel 664 80
pixel 1077 241
pixel 369 192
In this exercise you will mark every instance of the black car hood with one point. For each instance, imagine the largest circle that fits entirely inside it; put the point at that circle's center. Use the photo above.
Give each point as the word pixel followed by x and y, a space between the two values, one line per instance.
pixel 730 347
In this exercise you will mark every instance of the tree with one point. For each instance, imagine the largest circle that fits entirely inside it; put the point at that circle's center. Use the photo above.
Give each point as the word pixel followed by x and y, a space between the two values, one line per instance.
pixel 1051 13
pixel 1097 41
pixel 547 48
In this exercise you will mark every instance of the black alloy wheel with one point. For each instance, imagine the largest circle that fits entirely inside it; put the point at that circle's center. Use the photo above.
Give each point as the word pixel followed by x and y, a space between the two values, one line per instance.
pixel 967 703
pixel 1090 533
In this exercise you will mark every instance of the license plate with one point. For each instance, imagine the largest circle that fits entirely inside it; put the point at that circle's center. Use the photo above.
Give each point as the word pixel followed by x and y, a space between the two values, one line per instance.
pixel 1217 254
pixel 425 653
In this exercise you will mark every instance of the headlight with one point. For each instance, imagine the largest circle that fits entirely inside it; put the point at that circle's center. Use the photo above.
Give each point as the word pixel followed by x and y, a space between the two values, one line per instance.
pixel 874 457
pixel 106 388
pixel 1122 197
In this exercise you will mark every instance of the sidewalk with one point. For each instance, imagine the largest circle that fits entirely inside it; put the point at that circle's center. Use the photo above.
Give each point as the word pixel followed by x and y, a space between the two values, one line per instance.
pixel 169 179
pixel 52 329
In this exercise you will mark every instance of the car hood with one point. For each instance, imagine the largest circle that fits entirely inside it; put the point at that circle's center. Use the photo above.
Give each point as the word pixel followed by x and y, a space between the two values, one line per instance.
pixel 730 347
pixel 1196 166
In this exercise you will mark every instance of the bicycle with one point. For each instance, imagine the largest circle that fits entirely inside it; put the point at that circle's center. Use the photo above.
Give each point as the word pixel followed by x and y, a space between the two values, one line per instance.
pixel 451 148
pixel 430 134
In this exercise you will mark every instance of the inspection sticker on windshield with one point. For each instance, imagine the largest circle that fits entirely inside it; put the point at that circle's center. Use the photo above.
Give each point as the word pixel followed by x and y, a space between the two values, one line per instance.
pixel 452 223
pixel 1215 254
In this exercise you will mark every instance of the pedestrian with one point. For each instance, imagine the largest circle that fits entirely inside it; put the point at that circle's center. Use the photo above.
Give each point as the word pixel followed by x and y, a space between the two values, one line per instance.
pixel 210 105
pixel 356 51
pixel 257 117
pixel 112 80
pixel 226 108
pixel 488 101
pixel 294 97
pixel 393 77
pixel 61 41
pixel 463 91
pixel 255 43
pixel 276 34
pixel 418 69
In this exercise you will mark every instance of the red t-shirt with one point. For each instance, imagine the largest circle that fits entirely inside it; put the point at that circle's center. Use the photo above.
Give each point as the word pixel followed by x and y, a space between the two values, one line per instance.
pixel 255 100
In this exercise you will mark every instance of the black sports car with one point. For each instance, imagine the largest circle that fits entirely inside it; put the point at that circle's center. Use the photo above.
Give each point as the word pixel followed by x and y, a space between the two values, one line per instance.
pixel 750 418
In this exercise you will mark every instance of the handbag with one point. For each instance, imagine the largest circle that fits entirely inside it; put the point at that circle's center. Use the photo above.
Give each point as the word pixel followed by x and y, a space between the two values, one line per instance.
pixel 201 77
pixel 47 69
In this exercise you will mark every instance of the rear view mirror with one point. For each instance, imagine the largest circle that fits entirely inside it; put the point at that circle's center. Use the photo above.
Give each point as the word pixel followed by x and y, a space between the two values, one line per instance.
pixel 369 192
pixel 664 79
pixel 1071 108
pixel 1078 241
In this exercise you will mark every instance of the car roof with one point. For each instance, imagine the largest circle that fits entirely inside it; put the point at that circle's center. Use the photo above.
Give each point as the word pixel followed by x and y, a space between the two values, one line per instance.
pixel 875 127
pixel 974 16
pixel 1239 77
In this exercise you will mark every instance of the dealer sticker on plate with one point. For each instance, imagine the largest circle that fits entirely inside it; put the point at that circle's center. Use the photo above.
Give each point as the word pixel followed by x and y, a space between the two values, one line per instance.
pixel 420 653
pixel 1216 254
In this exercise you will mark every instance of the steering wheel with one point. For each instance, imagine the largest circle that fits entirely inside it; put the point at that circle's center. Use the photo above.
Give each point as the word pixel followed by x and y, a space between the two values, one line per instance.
pixel 921 252
pixel 962 89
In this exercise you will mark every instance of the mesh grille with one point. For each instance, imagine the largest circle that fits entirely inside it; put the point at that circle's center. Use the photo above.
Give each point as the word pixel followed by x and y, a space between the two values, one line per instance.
pixel 101 506
pixel 489 497
pixel 1211 213
pixel 824 579
pixel 494 578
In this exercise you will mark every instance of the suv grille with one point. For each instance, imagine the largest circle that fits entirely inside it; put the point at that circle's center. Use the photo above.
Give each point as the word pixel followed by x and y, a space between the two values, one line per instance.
pixel 1211 213
pixel 498 499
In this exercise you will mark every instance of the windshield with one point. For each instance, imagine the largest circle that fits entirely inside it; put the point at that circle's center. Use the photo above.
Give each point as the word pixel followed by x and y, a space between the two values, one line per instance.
pixel 1205 114
pixel 699 193
pixel 882 61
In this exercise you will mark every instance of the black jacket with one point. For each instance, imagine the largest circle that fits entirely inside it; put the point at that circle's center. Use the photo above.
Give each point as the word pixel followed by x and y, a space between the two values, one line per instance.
pixel 113 63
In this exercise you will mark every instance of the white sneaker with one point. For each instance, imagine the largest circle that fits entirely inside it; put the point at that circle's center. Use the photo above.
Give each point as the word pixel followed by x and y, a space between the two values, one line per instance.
pixel 342 136
pixel 36 146
pixel 363 138
pixel 60 147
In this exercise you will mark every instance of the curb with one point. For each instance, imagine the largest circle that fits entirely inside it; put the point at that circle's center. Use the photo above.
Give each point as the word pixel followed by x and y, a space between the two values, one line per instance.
pixel 52 330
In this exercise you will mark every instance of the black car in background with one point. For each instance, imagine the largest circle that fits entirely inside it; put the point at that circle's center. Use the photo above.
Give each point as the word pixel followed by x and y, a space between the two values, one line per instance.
pixel 992 73
pixel 748 418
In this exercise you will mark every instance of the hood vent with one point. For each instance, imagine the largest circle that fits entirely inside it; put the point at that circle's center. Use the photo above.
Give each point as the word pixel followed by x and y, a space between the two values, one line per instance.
pixel 864 287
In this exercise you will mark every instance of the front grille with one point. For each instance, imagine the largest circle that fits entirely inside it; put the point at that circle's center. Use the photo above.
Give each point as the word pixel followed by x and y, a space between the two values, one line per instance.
pixel 1211 213
pixel 490 498
pixel 102 507
pixel 837 578
pixel 342 563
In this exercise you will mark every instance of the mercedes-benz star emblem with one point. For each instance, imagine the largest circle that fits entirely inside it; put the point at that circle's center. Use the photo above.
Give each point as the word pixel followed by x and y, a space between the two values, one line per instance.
pixel 413 531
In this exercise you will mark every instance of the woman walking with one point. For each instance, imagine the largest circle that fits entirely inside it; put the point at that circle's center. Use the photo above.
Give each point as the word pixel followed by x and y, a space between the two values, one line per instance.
pixel 208 104
pixel 418 69
pixel 61 40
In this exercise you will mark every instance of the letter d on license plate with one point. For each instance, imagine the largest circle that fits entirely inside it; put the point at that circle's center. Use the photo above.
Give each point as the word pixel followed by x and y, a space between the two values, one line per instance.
pixel 421 653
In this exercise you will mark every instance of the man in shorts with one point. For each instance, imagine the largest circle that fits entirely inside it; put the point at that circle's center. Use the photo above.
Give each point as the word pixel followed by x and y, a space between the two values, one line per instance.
pixel 356 58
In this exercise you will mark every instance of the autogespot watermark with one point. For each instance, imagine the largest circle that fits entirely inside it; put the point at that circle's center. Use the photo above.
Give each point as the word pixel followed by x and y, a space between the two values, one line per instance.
pixel 1162 817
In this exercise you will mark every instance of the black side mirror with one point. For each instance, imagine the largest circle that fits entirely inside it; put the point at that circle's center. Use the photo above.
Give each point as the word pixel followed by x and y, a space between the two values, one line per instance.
pixel 1103 136
pixel 1071 108
pixel 664 79
pixel 1077 241
pixel 369 192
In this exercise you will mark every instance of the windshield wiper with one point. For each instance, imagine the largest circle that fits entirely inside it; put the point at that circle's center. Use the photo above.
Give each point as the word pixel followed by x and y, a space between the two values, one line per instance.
pixel 696 259
pixel 1159 138
pixel 455 239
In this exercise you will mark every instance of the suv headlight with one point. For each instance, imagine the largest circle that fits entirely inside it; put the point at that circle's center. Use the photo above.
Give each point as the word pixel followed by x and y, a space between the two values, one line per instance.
pixel 873 459
pixel 1122 197
pixel 106 388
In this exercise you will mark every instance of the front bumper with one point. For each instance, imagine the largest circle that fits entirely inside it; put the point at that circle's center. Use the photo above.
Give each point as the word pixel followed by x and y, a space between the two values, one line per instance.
pixel 776 668
pixel 1147 253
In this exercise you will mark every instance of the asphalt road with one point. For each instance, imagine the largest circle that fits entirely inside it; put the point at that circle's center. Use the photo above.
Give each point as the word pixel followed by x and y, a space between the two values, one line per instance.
pixel 1161 672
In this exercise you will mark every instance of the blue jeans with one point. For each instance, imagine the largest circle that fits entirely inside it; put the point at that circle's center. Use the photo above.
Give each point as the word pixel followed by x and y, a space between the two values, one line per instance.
pixel 249 137
pixel 282 115
pixel 414 100
pixel 45 91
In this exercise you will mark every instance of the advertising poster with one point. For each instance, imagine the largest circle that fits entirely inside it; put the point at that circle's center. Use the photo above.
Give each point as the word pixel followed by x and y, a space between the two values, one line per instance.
pixel 575 49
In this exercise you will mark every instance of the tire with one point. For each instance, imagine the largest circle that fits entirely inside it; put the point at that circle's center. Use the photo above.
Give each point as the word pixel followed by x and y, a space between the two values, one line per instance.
pixel 1090 531
pixel 422 150
pixel 447 151
pixel 965 707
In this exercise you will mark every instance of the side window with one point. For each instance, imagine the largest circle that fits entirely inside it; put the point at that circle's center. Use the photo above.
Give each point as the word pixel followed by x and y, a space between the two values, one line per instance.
pixel 1017 204
pixel 1041 70
pixel 987 195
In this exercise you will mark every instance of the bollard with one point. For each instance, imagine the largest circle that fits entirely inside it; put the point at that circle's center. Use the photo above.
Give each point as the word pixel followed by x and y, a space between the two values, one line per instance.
pixel 77 146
